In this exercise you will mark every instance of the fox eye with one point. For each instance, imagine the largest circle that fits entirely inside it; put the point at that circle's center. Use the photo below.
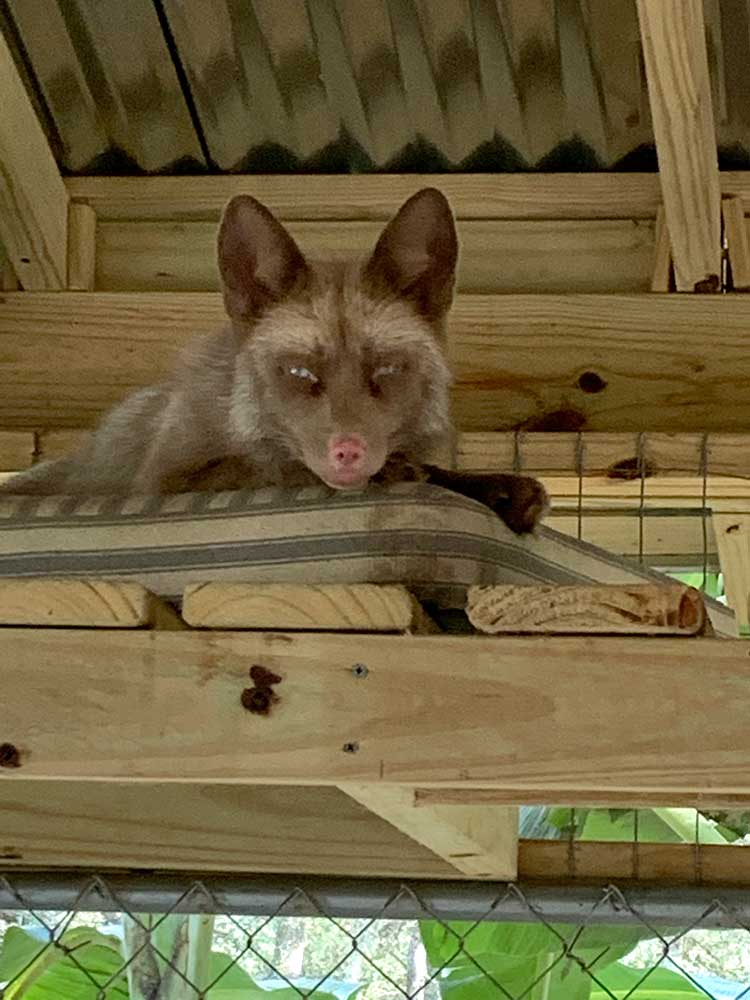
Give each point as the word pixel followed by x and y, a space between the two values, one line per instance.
pixel 384 371
pixel 304 373
pixel 308 381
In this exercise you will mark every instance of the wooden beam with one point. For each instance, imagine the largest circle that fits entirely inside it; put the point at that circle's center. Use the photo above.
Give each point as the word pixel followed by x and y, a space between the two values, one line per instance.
pixel 81 248
pixel 572 799
pixel 72 602
pixel 738 243
pixel 619 456
pixel 674 49
pixel 33 197
pixel 204 827
pixel 377 196
pixel 631 362
pixel 676 864
pixel 661 276
pixel 443 710
pixel 480 843
pixel 225 828
pixel 599 255
pixel 670 461
pixel 305 197
pixel 732 533
pixel 613 609
pixel 359 607
pixel 17 449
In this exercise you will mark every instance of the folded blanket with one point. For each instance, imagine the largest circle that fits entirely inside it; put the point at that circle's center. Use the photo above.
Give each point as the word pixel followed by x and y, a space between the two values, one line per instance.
pixel 435 542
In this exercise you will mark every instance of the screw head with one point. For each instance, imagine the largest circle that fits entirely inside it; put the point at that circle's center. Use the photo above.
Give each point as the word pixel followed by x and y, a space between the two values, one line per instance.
pixel 360 671
pixel 352 747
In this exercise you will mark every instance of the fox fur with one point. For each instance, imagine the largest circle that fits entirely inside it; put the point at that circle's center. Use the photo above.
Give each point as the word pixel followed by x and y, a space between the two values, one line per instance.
pixel 328 371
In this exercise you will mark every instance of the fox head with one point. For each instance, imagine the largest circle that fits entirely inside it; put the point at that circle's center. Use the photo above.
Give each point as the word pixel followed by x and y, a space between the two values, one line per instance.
pixel 342 364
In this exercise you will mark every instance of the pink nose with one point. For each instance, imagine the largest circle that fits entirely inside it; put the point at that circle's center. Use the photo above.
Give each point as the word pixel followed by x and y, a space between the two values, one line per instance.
pixel 347 452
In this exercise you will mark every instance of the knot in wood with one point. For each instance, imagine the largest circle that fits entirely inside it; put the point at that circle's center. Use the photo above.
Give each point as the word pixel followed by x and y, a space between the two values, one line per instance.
pixel 9 755
pixel 260 698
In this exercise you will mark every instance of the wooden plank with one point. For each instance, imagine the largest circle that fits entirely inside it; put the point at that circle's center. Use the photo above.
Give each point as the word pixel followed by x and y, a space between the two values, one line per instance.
pixel 640 609
pixel 661 277
pixel 738 244
pixel 167 706
pixel 17 449
pixel 480 843
pixel 377 196
pixel 681 864
pixel 674 50
pixel 549 454
pixel 56 443
pixel 733 544
pixel 186 827
pixel 33 197
pixel 683 492
pixel 307 197
pixel 359 607
pixel 203 827
pixel 601 799
pixel 496 256
pixel 601 453
pixel 667 541
pixel 71 602
pixel 8 280
pixel 81 248
pixel 630 362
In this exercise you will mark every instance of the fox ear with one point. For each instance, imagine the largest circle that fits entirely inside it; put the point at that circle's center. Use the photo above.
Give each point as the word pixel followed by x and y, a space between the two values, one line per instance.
pixel 259 262
pixel 415 256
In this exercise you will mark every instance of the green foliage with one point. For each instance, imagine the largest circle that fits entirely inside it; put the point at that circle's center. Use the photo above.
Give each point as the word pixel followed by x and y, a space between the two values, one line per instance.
pixel 712 586
pixel 561 960
pixel 556 959
pixel 76 968
pixel 85 961
pixel 660 984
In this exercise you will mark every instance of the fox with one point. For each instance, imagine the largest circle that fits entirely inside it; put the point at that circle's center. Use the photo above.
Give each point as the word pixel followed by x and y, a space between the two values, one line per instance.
pixel 330 372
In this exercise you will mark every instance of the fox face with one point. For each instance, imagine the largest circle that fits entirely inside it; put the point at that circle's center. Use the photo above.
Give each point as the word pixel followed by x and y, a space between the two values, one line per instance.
pixel 342 364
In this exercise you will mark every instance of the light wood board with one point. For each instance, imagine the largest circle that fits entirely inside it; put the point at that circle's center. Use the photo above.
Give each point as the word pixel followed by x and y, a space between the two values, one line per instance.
pixel 665 362
pixel 637 609
pixel 496 255
pixel 362 607
pixel 442 710
pixel 378 196
pixel 203 827
pixel 478 842
pixel 56 602
pixel 33 197
pixel 679 86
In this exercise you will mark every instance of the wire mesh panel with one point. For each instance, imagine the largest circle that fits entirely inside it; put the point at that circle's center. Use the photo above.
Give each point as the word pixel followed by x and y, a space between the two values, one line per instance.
pixel 223 939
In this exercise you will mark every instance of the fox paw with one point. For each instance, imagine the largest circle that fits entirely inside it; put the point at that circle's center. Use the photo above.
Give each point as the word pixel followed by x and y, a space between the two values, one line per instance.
pixel 520 502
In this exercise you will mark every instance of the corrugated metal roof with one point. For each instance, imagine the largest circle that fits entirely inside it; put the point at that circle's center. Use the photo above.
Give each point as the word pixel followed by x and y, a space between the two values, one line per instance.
pixel 131 86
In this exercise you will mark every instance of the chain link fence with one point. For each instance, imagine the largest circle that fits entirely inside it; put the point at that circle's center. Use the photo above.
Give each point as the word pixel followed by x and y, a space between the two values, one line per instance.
pixel 148 937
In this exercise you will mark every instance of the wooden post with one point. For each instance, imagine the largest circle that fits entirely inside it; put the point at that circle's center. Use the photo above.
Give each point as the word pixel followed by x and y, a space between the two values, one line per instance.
pixel 33 197
pixel 674 50
pixel 81 248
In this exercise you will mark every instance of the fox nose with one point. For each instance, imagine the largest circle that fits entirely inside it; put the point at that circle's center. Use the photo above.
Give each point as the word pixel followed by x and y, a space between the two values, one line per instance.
pixel 347 453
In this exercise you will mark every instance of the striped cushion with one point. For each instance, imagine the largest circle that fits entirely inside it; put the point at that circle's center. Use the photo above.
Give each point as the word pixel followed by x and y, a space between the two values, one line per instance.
pixel 436 542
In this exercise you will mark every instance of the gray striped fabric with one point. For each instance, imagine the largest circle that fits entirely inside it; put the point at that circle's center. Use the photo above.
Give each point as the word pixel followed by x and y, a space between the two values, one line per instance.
pixel 434 541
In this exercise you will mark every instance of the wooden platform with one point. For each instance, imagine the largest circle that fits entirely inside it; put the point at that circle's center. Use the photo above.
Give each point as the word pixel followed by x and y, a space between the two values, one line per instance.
pixel 317 735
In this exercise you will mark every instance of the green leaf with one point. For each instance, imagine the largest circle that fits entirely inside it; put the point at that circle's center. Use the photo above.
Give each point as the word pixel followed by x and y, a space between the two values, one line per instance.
pixel 18 950
pixel 53 973
pixel 516 955
pixel 659 826
pixel 661 984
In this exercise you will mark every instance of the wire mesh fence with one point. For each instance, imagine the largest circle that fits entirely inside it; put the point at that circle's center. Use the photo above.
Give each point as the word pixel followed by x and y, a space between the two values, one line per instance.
pixel 165 937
